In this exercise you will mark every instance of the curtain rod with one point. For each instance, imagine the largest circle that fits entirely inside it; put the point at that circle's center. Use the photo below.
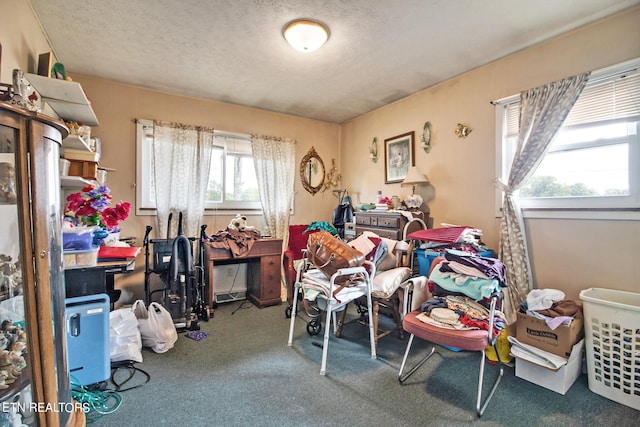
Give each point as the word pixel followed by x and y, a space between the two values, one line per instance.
pixel 216 132
pixel 617 71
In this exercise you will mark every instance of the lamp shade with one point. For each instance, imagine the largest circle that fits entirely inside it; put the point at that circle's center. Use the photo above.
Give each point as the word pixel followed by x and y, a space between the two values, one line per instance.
pixel 414 177
pixel 305 35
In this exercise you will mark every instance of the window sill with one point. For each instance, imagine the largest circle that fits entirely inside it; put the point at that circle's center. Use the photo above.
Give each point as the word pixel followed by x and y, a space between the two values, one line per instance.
pixel 578 214
pixel 227 212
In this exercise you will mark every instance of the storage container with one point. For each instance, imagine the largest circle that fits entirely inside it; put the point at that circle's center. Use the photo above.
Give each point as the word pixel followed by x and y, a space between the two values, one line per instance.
pixel 560 380
pixel 78 259
pixel 77 239
pixel 64 167
pixel 612 335
pixel 559 341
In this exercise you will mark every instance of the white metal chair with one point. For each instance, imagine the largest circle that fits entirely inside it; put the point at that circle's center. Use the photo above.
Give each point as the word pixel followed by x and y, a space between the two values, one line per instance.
pixel 469 340
pixel 331 299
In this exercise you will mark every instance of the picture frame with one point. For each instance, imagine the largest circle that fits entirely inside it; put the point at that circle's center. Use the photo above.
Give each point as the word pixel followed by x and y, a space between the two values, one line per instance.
pixel 399 156
pixel 45 63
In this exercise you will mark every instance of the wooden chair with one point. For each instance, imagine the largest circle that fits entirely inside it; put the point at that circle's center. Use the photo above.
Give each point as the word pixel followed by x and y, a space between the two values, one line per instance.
pixel 393 291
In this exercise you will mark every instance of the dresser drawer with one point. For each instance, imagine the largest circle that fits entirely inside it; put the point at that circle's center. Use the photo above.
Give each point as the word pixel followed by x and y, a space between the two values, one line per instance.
pixel 363 220
pixel 388 222
pixel 382 232
pixel 385 224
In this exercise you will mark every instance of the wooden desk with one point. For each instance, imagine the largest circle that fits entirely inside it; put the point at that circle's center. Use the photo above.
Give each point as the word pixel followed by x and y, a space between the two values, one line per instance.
pixel 263 270
pixel 98 279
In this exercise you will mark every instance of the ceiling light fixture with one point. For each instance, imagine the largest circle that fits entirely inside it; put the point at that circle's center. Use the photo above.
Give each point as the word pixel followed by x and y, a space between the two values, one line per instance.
pixel 305 35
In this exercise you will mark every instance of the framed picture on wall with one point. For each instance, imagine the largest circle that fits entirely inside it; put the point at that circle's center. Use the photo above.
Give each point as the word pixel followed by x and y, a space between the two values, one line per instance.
pixel 398 157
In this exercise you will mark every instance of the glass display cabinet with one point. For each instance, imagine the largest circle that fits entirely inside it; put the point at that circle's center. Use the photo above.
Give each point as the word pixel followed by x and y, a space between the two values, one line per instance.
pixel 34 380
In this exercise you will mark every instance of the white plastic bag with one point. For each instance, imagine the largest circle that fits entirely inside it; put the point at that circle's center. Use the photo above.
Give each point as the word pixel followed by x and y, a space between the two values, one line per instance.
pixel 156 326
pixel 124 336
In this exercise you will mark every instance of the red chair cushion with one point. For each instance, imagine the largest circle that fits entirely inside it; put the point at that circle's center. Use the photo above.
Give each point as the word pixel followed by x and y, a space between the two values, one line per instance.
pixel 298 239
pixel 289 270
pixel 469 339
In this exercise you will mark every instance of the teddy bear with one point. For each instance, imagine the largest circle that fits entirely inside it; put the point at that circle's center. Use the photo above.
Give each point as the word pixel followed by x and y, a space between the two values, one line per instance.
pixel 239 223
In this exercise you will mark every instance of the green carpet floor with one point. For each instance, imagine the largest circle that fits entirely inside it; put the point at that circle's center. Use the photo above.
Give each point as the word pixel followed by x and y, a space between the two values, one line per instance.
pixel 244 374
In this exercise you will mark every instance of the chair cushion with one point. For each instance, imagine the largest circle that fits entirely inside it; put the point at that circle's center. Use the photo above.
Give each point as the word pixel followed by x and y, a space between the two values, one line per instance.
pixel 387 262
pixel 385 283
pixel 298 239
pixel 467 339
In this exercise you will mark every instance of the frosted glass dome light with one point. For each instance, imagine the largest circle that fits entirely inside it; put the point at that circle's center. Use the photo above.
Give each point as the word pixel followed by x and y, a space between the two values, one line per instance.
pixel 306 35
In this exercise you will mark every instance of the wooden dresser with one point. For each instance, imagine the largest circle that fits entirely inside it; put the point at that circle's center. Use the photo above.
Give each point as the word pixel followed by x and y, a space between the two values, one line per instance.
pixel 386 224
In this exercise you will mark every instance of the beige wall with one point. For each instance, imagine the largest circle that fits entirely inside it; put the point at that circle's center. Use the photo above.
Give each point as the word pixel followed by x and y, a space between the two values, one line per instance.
pixel 117 105
pixel 21 38
pixel 566 254
pixel 569 255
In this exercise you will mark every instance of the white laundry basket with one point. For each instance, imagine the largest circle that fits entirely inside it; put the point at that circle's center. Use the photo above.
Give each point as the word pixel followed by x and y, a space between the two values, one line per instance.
pixel 612 332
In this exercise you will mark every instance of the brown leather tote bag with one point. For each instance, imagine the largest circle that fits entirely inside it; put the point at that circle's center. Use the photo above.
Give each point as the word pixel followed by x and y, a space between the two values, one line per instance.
pixel 329 254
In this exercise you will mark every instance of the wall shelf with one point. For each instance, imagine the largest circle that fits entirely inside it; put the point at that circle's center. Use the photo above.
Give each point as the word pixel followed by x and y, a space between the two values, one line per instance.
pixel 74 182
pixel 65 98
pixel 76 142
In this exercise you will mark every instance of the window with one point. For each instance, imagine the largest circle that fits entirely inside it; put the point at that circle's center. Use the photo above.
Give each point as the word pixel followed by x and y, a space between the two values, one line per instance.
pixel 232 180
pixel 593 163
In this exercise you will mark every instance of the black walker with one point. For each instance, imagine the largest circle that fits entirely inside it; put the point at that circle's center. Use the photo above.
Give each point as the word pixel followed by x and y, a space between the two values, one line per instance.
pixel 173 264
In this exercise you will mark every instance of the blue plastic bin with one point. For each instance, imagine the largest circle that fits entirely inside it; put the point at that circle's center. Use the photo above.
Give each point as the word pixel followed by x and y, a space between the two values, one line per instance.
pixel 77 240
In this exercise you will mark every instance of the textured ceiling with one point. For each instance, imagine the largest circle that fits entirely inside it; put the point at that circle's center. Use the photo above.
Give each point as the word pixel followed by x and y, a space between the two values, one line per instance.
pixel 379 51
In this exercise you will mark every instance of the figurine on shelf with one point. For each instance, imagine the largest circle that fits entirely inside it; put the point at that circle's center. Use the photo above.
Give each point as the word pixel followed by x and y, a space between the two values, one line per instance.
pixel 24 95
pixel 7 365
pixel 4 379
pixel 7 183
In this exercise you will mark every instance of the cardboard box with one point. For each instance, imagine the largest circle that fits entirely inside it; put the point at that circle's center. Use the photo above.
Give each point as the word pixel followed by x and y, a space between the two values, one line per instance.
pixel 534 331
pixel 84 169
pixel 559 381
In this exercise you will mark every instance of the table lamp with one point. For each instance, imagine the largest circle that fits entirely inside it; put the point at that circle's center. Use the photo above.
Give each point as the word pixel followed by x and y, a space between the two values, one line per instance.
pixel 414 177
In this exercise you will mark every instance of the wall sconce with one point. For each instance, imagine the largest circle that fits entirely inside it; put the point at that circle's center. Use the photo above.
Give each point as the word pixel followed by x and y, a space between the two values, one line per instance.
pixel 373 151
pixel 462 130
pixel 426 137
pixel 333 177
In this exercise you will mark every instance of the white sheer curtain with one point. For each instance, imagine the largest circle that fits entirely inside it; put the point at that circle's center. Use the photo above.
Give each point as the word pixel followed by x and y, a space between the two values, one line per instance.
pixel 274 160
pixel 542 111
pixel 181 163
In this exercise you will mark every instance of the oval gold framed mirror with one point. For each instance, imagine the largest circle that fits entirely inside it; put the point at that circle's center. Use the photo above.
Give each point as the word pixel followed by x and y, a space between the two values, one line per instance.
pixel 312 172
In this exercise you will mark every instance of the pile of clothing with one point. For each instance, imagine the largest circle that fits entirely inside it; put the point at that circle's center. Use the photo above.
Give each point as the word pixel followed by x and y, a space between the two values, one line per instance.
pixel 474 276
pixel 459 312
pixel 462 286
pixel 551 306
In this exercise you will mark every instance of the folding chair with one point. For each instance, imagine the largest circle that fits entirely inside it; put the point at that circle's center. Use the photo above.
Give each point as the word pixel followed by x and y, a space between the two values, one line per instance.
pixel 465 339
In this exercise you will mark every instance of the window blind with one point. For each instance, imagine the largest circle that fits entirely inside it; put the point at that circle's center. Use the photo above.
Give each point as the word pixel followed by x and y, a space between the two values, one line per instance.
pixel 615 97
